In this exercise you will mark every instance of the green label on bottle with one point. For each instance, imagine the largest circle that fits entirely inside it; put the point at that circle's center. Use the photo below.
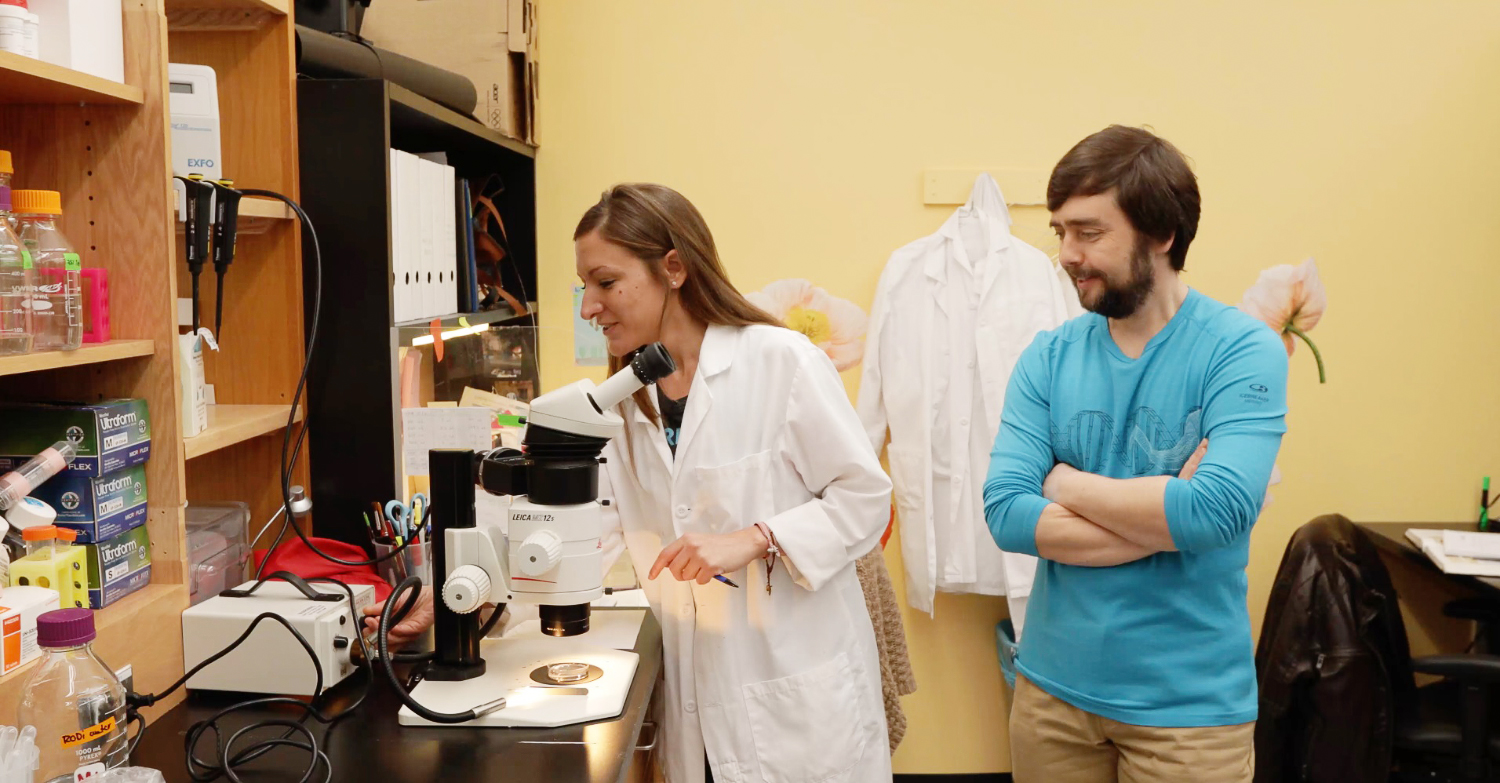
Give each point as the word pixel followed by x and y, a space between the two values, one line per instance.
pixel 26 262
pixel 72 262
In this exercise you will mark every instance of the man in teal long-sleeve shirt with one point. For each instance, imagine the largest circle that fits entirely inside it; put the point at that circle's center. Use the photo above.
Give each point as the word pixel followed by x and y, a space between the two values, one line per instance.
pixel 1133 456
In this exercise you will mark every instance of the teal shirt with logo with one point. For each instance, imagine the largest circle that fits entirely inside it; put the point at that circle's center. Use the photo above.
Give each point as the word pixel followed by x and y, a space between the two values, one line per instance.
pixel 1165 640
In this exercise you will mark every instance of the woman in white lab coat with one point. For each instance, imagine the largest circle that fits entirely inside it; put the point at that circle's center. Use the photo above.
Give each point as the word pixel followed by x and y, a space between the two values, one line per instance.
pixel 778 684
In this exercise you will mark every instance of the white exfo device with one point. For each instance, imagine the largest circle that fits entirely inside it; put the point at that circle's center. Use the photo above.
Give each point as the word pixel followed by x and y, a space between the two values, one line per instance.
pixel 271 660
pixel 194 101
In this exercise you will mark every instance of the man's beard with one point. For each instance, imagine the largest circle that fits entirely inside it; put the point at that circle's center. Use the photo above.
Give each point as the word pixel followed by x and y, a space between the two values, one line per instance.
pixel 1123 300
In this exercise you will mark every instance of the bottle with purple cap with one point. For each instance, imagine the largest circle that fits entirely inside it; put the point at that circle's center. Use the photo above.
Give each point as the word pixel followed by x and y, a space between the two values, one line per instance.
pixel 75 701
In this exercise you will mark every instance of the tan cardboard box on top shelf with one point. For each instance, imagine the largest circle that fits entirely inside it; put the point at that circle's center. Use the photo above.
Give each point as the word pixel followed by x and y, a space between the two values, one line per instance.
pixel 492 42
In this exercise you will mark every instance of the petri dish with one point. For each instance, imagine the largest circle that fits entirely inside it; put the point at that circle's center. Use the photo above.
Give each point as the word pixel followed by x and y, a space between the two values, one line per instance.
pixel 567 672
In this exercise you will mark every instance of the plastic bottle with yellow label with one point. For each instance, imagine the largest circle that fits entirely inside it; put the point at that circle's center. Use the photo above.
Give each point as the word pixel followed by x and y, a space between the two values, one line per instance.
pixel 75 701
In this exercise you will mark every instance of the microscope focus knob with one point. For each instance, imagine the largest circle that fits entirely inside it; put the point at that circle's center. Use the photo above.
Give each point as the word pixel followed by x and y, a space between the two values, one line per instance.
pixel 467 589
pixel 539 553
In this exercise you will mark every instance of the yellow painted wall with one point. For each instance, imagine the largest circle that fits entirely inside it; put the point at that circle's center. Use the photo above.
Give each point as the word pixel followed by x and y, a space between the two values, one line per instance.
pixel 1363 134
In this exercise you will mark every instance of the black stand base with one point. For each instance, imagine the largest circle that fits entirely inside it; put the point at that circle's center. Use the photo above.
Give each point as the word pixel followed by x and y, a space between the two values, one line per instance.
pixel 439 672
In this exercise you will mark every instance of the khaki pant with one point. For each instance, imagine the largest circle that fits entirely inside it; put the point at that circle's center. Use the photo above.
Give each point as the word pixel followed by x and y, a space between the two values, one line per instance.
pixel 1052 741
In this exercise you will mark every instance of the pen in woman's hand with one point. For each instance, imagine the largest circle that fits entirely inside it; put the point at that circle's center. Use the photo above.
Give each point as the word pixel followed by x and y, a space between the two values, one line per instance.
pixel 725 580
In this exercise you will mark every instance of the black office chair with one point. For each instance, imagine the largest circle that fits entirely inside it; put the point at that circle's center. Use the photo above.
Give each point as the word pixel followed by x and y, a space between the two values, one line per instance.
pixel 1338 695
pixel 1446 735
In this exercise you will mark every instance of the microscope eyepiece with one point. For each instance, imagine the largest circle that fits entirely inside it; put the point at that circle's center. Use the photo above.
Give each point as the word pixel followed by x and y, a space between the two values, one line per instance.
pixel 653 363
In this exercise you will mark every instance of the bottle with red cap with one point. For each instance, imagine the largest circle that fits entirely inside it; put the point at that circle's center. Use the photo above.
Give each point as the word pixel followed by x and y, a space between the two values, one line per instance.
pixel 75 701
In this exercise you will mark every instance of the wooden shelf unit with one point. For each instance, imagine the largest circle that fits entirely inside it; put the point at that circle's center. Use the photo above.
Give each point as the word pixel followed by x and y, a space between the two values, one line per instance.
pixel 231 424
pixel 31 81
pixel 106 149
pixel 88 354
pixel 255 372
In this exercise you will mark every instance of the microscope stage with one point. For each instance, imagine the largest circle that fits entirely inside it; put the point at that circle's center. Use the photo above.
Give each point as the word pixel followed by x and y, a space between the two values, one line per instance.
pixel 509 666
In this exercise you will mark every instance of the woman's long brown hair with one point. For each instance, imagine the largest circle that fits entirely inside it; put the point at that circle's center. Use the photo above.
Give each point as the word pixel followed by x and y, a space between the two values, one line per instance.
pixel 651 220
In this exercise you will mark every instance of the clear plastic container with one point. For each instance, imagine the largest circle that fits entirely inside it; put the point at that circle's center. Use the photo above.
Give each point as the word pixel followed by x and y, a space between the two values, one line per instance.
pixel 57 306
pixel 218 549
pixel 40 541
pixel 17 286
pixel 75 701
pixel 16 275
pixel 22 481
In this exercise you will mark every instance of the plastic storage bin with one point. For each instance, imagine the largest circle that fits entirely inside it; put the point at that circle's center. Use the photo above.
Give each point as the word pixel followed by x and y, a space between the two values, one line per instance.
pixel 218 548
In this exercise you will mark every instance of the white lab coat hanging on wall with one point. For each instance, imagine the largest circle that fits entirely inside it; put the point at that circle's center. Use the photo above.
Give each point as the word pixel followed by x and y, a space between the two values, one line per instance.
pixel 952 313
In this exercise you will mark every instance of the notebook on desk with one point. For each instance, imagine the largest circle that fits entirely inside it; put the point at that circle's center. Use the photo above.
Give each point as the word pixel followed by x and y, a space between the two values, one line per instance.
pixel 1430 541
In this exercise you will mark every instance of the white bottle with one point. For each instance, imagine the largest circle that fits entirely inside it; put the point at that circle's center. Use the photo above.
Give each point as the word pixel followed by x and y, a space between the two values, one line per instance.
pixel 33 36
pixel 57 307
pixel 13 29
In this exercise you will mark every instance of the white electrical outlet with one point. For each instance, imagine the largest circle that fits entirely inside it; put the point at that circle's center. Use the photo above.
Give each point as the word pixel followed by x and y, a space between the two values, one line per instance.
pixel 126 675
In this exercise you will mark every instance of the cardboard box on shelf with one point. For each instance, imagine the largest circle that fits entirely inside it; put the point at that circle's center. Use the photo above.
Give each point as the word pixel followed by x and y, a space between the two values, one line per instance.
pixel 478 39
pixel 19 608
pixel 98 508
pixel 118 567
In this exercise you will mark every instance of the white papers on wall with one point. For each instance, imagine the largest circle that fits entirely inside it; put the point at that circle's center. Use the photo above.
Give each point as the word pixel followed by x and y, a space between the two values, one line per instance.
pixel 424 429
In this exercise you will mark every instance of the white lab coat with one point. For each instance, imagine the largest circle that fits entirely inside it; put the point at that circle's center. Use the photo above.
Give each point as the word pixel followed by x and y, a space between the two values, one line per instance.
pixel 952 313
pixel 777 687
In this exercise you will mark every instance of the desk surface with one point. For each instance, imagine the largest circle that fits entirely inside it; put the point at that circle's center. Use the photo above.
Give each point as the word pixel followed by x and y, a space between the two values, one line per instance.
pixel 1391 537
pixel 371 745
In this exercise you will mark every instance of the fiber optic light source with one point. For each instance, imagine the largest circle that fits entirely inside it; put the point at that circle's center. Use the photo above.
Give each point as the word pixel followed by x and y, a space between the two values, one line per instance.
pixel 426 339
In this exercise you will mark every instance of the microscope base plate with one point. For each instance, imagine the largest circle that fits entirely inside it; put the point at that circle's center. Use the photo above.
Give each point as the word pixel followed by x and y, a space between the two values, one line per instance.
pixel 509 664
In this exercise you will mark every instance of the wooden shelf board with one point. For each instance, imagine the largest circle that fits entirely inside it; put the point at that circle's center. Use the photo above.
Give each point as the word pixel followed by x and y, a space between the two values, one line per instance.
pixel 269 209
pixel 88 354
pixel 116 616
pixel 25 80
pixel 257 215
pixel 456 320
pixel 222 15
pixel 278 7
pixel 422 118
pixel 231 424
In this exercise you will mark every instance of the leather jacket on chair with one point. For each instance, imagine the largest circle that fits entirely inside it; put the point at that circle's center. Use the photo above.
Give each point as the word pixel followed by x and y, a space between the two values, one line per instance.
pixel 1333 662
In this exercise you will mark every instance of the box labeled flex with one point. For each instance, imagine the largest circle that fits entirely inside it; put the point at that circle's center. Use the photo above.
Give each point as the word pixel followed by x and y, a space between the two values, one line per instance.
pixel 109 436
pixel 99 508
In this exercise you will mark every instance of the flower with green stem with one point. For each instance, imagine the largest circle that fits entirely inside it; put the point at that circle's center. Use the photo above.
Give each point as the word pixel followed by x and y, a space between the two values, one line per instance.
pixel 1291 300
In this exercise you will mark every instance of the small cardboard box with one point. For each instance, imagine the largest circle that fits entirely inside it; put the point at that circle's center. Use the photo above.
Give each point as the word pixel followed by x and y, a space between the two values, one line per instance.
pixel 472 38
pixel 98 508
pixel 19 608
pixel 110 436
pixel 118 567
